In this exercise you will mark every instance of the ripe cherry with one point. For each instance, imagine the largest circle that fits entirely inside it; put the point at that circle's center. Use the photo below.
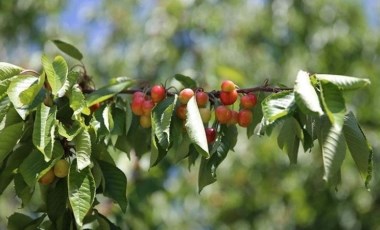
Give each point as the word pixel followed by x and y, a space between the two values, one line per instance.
pixel 234 118
pixel 147 106
pixel 228 86
pixel 223 114
pixel 181 112
pixel 228 98
pixel 136 106
pixel 245 117
pixel 248 101
pixel 202 99
pixel 157 93
pixel 210 135
pixel 185 95
pixel 138 94
pixel 95 107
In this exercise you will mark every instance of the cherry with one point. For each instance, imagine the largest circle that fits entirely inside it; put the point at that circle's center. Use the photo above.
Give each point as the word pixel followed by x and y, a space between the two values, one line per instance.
pixel 61 168
pixel 234 118
pixel 145 121
pixel 205 114
pixel 47 178
pixel 181 111
pixel 228 86
pixel 157 93
pixel 245 117
pixel 210 135
pixel 136 106
pixel 248 101
pixel 228 98
pixel 95 107
pixel 147 106
pixel 223 114
pixel 185 95
pixel 138 94
pixel 202 98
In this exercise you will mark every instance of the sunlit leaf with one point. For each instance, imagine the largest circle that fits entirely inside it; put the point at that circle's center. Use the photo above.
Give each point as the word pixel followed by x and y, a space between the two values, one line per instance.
pixel 305 94
pixel 56 72
pixel 333 102
pixel 106 92
pixel 344 82
pixel 195 128
pixel 8 70
pixel 83 149
pixel 81 190
pixel 278 105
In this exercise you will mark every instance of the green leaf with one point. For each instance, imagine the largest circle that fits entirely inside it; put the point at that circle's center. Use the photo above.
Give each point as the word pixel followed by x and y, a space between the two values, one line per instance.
pixel 333 145
pixel 195 128
pixel 83 149
pixel 306 97
pixel 18 221
pixel 34 166
pixel 257 116
pixel 56 199
pixel 70 131
pixel 344 82
pixel 18 85
pixel 14 160
pixel 56 72
pixel 68 49
pixel 4 85
pixel 81 189
pixel 27 96
pixel 186 81
pixel 157 152
pixel 207 168
pixel 115 184
pixel 8 70
pixel 77 100
pixel 9 136
pixel 71 80
pixel 123 145
pixel 44 130
pixel 107 118
pixel 358 145
pixel 104 223
pixel 278 105
pixel 333 102
pixel 161 118
pixel 23 191
pixel 289 137
pixel 106 92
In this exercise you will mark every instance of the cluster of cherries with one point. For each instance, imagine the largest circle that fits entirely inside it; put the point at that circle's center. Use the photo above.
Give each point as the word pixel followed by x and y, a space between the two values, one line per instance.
pixel 142 106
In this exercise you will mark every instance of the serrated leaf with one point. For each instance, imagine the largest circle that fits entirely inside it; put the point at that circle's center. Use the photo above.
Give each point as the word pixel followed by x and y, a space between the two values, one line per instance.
pixel 9 136
pixel 56 199
pixel 68 49
pixel 115 184
pixel 344 82
pixel 8 70
pixel 333 145
pixel 358 145
pixel 186 81
pixel 81 190
pixel 157 153
pixel 70 131
pixel 27 96
pixel 195 128
pixel 77 100
pixel 207 168
pixel 44 130
pixel 4 85
pixel 306 97
pixel 106 92
pixel 162 117
pixel 56 72
pixel 18 85
pixel 107 118
pixel 83 149
pixel 289 137
pixel 278 105
pixel 333 102
pixel 34 166
pixel 71 80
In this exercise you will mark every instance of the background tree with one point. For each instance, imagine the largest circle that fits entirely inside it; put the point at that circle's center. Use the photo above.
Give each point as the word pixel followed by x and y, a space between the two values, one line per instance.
pixel 259 40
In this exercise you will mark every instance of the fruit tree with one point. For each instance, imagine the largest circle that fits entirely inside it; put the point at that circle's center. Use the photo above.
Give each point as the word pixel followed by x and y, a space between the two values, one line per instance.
pixel 56 130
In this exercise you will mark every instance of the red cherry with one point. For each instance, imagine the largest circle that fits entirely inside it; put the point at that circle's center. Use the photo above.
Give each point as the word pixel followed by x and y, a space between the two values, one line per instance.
pixel 223 114
pixel 138 94
pixel 185 95
pixel 210 135
pixel 234 118
pixel 95 107
pixel 228 86
pixel 228 98
pixel 245 117
pixel 157 93
pixel 248 101
pixel 181 112
pixel 136 106
pixel 202 99
pixel 147 107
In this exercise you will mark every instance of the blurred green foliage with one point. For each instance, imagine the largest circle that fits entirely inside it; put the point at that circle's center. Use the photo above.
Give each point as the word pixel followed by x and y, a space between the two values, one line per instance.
pixel 245 41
